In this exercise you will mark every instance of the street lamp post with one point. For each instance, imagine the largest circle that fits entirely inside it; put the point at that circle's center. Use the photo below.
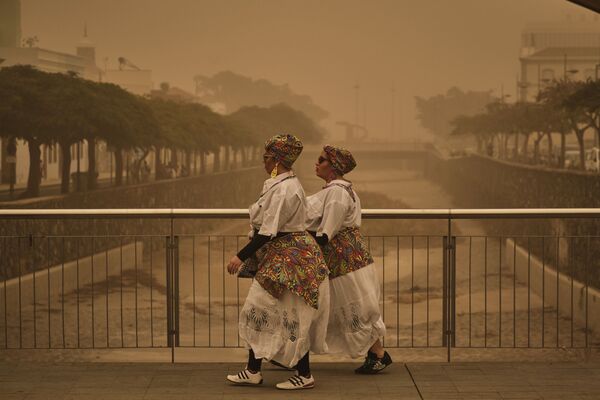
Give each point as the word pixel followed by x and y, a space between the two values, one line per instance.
pixel 393 109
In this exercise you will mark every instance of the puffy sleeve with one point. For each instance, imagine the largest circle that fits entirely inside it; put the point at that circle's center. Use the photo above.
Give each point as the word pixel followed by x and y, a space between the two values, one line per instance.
pixel 334 212
pixel 278 208
pixel 314 211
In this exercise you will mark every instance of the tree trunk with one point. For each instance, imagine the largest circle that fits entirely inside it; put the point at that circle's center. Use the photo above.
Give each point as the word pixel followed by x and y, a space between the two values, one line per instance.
pixel 516 148
pixel 505 146
pixel 524 151
pixel 65 149
pixel 536 147
pixel 226 165
pixel 563 149
pixel 174 157
pixel 35 177
pixel 244 156
pixel 579 133
pixel 118 166
pixel 188 159
pixel 217 160
pixel 157 162
pixel 550 147
pixel 202 162
pixel 195 162
pixel 91 172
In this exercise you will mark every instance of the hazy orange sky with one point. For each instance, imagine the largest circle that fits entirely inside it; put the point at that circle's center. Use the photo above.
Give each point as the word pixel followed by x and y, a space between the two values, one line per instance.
pixel 319 47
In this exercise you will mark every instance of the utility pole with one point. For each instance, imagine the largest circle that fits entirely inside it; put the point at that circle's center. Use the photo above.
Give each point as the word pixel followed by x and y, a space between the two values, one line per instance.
pixel 393 122
pixel 356 91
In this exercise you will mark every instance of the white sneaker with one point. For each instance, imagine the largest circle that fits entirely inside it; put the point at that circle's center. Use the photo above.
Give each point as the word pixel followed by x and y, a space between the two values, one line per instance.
pixel 297 382
pixel 246 377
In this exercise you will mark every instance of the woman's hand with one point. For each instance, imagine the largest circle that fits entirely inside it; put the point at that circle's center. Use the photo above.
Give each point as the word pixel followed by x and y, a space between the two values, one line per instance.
pixel 234 265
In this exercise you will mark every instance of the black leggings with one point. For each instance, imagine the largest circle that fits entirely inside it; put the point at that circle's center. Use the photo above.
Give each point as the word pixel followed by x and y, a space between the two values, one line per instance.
pixel 254 363
pixel 303 366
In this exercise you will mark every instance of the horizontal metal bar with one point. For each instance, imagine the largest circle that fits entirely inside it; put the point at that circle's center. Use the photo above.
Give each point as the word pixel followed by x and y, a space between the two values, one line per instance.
pixel 240 213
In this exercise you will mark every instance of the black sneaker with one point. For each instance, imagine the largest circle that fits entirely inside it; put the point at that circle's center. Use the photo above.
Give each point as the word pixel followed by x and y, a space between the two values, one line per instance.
pixel 373 365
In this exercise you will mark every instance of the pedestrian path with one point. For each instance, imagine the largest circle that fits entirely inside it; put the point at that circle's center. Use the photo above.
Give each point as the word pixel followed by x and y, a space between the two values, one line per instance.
pixel 131 381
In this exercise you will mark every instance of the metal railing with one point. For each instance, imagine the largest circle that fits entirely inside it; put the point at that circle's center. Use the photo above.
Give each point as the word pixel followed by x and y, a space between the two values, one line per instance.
pixel 171 290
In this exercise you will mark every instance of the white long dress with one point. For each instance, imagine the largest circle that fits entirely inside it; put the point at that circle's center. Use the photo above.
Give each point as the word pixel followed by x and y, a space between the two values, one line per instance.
pixel 283 329
pixel 355 321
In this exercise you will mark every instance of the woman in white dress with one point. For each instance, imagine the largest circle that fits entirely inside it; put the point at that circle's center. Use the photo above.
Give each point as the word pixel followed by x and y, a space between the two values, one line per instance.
pixel 334 217
pixel 287 308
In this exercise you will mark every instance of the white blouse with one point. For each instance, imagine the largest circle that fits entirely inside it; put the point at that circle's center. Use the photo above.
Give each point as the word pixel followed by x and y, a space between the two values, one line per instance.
pixel 333 209
pixel 281 206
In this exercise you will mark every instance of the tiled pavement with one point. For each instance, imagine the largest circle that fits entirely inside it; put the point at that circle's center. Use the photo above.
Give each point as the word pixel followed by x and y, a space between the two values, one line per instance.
pixel 132 381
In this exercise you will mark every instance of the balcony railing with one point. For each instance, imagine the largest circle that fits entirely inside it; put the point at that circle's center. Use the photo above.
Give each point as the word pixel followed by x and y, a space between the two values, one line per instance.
pixel 169 288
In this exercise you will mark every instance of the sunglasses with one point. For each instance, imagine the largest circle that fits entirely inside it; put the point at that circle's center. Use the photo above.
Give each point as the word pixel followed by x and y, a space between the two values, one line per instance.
pixel 322 159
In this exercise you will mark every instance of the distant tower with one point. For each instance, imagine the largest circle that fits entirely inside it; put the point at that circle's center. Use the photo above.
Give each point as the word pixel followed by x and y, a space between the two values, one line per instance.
pixel 10 23
pixel 85 47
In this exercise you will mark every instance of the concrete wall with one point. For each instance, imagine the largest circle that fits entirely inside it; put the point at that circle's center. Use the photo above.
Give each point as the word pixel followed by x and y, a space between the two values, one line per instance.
pixel 483 182
pixel 575 299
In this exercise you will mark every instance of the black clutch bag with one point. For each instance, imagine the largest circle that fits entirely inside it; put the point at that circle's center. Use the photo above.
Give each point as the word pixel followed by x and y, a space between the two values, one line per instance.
pixel 249 268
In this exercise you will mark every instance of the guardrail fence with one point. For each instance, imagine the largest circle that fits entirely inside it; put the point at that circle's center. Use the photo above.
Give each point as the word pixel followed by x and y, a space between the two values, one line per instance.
pixel 440 291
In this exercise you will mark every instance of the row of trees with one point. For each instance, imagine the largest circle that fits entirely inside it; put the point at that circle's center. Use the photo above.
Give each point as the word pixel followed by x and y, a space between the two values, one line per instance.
pixel 62 109
pixel 564 108
pixel 234 91
pixel 436 113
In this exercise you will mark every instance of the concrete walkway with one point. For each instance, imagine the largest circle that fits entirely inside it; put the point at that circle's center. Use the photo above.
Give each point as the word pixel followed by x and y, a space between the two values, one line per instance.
pixel 131 381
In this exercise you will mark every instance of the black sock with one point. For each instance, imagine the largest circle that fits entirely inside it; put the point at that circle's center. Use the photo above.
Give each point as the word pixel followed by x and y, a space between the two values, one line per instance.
pixel 303 366
pixel 254 364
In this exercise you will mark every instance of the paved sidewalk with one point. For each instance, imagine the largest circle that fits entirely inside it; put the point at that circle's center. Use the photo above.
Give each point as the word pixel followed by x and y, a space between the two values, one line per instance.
pixel 335 381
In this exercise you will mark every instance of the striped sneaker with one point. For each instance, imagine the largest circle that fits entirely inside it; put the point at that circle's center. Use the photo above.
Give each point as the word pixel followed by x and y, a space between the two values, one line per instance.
pixel 246 377
pixel 373 365
pixel 297 382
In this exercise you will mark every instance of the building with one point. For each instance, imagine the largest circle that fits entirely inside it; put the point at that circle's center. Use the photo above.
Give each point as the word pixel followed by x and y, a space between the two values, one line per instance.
pixel 558 51
pixel 10 23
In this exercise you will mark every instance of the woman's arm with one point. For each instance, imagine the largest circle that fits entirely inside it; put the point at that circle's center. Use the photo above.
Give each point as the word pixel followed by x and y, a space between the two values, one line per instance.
pixel 253 245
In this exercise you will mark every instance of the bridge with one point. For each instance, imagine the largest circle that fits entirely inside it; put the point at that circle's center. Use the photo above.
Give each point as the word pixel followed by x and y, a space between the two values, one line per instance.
pixel 159 293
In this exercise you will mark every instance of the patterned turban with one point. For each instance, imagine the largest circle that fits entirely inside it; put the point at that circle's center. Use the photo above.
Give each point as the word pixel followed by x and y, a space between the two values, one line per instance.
pixel 341 160
pixel 285 148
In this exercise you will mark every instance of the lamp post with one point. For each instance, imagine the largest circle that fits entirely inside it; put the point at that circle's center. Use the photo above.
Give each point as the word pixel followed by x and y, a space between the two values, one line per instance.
pixel 393 127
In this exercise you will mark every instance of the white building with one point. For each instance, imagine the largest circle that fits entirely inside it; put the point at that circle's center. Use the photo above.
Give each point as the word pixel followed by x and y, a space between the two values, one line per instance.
pixel 558 51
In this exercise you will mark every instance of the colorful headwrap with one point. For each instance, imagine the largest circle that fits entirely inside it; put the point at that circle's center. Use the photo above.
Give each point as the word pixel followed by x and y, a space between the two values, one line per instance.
pixel 340 159
pixel 285 148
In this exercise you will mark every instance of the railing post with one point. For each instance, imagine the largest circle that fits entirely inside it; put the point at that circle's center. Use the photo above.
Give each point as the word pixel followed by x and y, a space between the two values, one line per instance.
pixel 445 292
pixel 452 250
pixel 169 287
pixel 449 291
pixel 172 283
pixel 176 289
